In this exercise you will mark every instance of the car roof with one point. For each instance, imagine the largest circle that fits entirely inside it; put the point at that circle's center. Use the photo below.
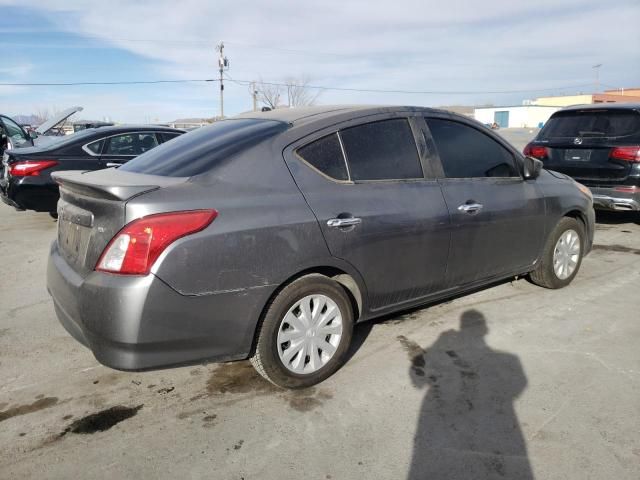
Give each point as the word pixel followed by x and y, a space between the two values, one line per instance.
pixel 133 128
pixel 603 106
pixel 299 116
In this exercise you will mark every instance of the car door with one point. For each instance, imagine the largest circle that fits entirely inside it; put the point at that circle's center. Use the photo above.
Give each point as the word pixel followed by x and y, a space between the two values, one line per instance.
pixel 497 217
pixel 13 134
pixel 121 148
pixel 376 208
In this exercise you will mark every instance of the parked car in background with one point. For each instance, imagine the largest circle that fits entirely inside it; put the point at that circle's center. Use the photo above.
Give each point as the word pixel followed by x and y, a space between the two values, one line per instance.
pixel 25 174
pixel 269 235
pixel 599 146
pixel 13 136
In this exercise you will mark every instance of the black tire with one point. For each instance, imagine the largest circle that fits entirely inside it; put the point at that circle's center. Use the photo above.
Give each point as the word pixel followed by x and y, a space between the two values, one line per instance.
pixel 544 275
pixel 266 359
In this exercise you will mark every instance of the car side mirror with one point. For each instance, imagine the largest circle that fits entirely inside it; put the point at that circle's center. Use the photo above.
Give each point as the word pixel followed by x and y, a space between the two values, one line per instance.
pixel 532 168
pixel 32 134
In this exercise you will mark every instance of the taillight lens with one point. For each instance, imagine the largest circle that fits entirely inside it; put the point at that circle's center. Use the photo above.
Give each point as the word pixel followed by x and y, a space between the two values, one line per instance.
pixel 134 250
pixel 536 151
pixel 627 189
pixel 30 168
pixel 627 154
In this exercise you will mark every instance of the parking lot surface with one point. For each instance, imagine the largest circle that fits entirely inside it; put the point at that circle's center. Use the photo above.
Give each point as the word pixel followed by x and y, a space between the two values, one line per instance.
pixel 512 381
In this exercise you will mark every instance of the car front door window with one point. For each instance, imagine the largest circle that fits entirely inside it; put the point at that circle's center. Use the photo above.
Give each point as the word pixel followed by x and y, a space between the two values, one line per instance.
pixel 468 153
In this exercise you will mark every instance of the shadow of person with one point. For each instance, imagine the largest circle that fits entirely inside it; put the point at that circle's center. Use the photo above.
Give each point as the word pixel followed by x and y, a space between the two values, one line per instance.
pixel 468 427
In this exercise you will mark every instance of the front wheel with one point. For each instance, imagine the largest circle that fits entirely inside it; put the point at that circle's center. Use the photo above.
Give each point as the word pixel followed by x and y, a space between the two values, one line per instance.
pixel 562 255
pixel 305 334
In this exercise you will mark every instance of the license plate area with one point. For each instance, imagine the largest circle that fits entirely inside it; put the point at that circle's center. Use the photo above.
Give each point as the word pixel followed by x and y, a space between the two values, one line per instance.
pixel 71 239
pixel 74 232
pixel 577 155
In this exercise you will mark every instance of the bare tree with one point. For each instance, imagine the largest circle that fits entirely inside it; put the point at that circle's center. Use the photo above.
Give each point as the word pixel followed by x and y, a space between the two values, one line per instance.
pixel 297 91
pixel 42 114
pixel 299 94
pixel 45 113
pixel 268 94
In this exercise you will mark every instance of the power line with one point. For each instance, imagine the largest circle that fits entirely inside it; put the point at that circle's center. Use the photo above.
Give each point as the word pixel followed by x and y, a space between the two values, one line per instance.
pixel 132 82
pixel 413 92
pixel 315 87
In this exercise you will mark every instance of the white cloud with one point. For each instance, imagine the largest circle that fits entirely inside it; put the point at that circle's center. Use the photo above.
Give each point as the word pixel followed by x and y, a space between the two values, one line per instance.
pixel 414 45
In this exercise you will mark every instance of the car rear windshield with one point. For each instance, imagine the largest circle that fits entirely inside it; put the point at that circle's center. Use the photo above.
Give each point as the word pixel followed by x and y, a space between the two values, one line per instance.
pixel 199 151
pixel 609 124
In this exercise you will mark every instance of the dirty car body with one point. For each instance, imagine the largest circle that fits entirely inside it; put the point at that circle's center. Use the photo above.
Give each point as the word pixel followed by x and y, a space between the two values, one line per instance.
pixel 274 216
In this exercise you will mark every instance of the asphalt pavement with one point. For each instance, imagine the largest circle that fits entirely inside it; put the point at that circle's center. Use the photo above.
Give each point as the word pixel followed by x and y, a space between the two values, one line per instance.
pixel 513 381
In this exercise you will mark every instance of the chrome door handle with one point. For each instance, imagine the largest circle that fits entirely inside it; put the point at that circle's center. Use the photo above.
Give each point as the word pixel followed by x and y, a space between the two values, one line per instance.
pixel 113 164
pixel 344 222
pixel 470 208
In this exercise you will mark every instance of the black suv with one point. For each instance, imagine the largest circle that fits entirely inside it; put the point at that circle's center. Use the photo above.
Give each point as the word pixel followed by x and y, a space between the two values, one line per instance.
pixel 599 146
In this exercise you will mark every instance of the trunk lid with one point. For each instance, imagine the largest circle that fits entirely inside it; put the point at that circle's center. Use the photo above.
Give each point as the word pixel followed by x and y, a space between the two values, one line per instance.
pixel 56 120
pixel 579 142
pixel 91 210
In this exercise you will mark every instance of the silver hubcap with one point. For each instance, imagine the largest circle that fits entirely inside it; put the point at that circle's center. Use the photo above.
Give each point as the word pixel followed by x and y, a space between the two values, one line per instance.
pixel 566 254
pixel 309 334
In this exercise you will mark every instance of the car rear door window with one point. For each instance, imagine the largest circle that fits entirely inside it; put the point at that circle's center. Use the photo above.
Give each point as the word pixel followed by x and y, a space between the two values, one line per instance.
pixel 465 152
pixel 384 150
pixel 95 147
pixel 325 155
pixel 131 144
pixel 169 136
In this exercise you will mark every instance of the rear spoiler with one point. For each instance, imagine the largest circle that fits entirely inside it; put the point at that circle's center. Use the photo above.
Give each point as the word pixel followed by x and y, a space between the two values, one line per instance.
pixel 112 184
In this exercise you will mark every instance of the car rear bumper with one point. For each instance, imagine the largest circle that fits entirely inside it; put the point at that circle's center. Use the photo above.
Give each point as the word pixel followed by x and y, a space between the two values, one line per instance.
pixel 5 199
pixel 140 323
pixel 24 196
pixel 611 199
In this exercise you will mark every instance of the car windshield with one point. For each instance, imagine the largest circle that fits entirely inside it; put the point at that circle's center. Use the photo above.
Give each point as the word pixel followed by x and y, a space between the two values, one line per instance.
pixel 199 151
pixel 592 123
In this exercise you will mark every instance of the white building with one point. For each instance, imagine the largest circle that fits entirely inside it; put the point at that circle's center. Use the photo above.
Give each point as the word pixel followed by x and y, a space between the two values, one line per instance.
pixel 517 116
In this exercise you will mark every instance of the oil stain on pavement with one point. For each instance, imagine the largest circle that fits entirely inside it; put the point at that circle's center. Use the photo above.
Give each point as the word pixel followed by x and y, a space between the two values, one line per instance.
pixel 617 249
pixel 240 379
pixel 101 421
pixel 39 404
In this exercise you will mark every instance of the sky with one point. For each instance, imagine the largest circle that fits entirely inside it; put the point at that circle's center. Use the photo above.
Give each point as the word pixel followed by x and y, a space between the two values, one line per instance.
pixel 447 53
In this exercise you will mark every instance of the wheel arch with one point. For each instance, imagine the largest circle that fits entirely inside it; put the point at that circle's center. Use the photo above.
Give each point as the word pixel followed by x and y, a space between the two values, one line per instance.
pixel 578 215
pixel 351 286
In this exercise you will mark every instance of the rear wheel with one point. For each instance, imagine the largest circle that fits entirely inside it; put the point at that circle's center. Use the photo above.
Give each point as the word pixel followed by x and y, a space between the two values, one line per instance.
pixel 562 255
pixel 306 333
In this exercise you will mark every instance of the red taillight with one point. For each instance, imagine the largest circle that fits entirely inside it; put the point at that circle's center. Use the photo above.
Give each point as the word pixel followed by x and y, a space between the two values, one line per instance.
pixel 627 189
pixel 536 151
pixel 30 168
pixel 138 245
pixel 627 154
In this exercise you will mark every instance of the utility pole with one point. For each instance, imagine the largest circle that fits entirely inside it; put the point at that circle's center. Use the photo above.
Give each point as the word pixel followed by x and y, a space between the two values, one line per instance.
pixel 254 94
pixel 223 64
pixel 597 69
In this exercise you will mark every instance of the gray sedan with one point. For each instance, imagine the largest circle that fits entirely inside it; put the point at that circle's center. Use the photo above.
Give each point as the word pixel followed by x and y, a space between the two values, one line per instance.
pixel 269 235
